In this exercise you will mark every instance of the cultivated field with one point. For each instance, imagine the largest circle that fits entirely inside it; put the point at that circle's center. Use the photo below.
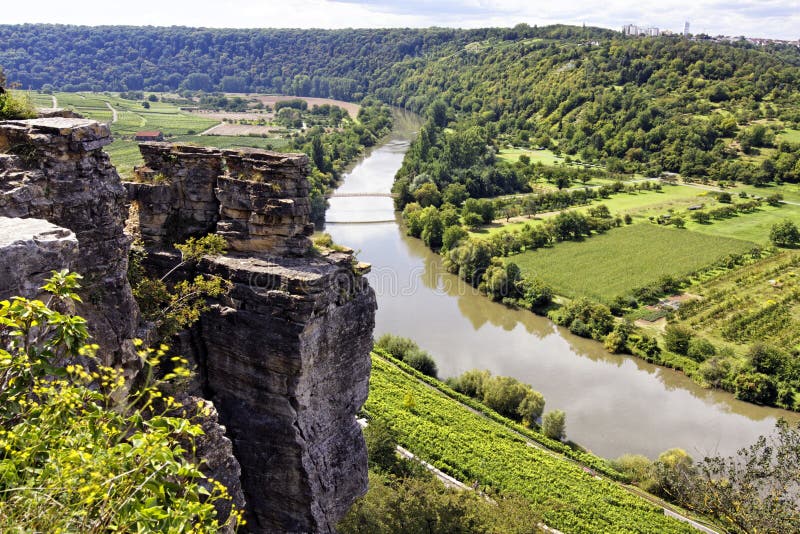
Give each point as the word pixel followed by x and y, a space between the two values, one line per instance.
pixel 270 100
pixel 176 124
pixel 759 302
pixel 753 227
pixel 236 130
pixel 474 448
pixel 614 264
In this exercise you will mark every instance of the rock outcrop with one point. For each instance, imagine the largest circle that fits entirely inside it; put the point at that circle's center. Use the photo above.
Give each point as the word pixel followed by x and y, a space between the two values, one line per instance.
pixel 287 364
pixel 260 203
pixel 30 249
pixel 284 355
pixel 54 169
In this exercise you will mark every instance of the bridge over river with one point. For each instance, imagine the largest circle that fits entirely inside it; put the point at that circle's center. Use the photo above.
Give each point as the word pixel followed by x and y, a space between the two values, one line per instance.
pixel 349 195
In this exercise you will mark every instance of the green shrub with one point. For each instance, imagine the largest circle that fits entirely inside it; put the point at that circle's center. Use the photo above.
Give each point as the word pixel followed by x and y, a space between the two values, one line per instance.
pixel 700 349
pixel 554 424
pixel 76 453
pixel 408 351
pixel 677 338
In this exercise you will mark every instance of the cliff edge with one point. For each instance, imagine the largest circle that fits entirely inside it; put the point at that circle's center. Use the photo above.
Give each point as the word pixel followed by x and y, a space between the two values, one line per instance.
pixel 283 355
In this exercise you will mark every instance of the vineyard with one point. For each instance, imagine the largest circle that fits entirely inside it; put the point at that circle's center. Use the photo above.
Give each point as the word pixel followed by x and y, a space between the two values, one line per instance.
pixel 756 303
pixel 475 449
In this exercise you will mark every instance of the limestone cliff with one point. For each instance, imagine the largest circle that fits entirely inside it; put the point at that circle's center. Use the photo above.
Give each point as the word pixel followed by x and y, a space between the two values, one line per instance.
pixel 284 355
pixel 54 169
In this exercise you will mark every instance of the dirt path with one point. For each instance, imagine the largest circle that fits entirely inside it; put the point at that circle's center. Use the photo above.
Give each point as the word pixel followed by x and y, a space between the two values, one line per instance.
pixel 113 113
pixel 210 131
pixel 55 102
pixel 666 507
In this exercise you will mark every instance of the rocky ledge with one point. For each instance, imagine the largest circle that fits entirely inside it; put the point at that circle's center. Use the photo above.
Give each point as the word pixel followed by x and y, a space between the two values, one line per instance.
pixel 283 355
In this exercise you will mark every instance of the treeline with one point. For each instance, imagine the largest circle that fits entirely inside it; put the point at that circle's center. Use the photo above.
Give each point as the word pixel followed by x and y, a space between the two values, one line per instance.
pixel 324 63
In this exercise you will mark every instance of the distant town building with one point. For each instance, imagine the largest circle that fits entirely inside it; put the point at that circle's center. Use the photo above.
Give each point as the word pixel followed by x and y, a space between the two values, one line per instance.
pixel 686 30
pixel 638 31
pixel 154 135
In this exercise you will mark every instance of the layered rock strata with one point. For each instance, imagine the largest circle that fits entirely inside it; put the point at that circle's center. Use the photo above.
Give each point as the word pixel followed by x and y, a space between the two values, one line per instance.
pixel 284 355
pixel 257 199
pixel 54 169
pixel 287 364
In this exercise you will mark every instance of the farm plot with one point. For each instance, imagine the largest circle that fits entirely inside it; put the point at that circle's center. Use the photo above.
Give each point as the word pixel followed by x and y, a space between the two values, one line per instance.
pixel 615 263
pixel 759 302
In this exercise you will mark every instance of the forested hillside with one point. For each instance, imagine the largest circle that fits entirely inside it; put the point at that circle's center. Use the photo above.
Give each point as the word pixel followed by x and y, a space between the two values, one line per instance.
pixel 326 63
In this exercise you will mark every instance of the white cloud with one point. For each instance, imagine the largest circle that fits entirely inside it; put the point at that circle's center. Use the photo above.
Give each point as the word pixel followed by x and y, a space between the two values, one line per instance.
pixel 757 18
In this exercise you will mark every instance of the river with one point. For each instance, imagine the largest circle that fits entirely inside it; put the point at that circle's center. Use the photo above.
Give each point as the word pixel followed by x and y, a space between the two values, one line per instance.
pixel 614 404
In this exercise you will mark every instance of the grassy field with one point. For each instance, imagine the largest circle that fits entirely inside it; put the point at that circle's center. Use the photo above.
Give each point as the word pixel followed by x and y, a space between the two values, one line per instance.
pixel 790 135
pixel 177 125
pixel 790 192
pixel 40 100
pixel 546 157
pixel 615 263
pixel 753 227
pixel 475 449
pixel 639 205
pixel 131 116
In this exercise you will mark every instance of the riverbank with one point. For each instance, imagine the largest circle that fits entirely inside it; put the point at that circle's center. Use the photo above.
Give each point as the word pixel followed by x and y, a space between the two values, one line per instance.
pixel 615 404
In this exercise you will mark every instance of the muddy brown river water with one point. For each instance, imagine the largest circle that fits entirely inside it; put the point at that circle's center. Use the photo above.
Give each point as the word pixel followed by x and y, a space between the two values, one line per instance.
pixel 614 404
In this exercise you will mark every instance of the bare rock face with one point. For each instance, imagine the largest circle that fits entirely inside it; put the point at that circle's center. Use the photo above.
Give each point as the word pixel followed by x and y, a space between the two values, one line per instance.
pixel 257 200
pixel 55 169
pixel 216 452
pixel 285 354
pixel 287 363
pixel 29 250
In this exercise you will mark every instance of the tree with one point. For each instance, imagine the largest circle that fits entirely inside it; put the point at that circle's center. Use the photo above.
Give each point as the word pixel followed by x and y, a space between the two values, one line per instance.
pixel 432 227
pixel 754 491
pixel 452 236
pixel 531 407
pixel 637 469
pixel 469 260
pixel 455 194
pixel 676 338
pixel 700 349
pixel 785 234
pixel 756 387
pixel 504 394
pixel 422 504
pixel 438 113
pixel 381 442
pixel 318 153
pixel 427 195
pixel 470 383
pixel 554 424
pixel 78 453
pixel 535 293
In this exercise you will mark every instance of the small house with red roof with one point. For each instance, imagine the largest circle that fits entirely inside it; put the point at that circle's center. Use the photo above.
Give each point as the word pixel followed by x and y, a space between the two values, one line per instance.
pixel 154 135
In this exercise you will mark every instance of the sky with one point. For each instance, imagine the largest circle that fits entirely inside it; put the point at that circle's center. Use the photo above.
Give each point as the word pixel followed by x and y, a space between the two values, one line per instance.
pixel 778 19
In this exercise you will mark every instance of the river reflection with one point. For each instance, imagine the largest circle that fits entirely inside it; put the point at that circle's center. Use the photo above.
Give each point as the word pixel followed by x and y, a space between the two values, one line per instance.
pixel 614 404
